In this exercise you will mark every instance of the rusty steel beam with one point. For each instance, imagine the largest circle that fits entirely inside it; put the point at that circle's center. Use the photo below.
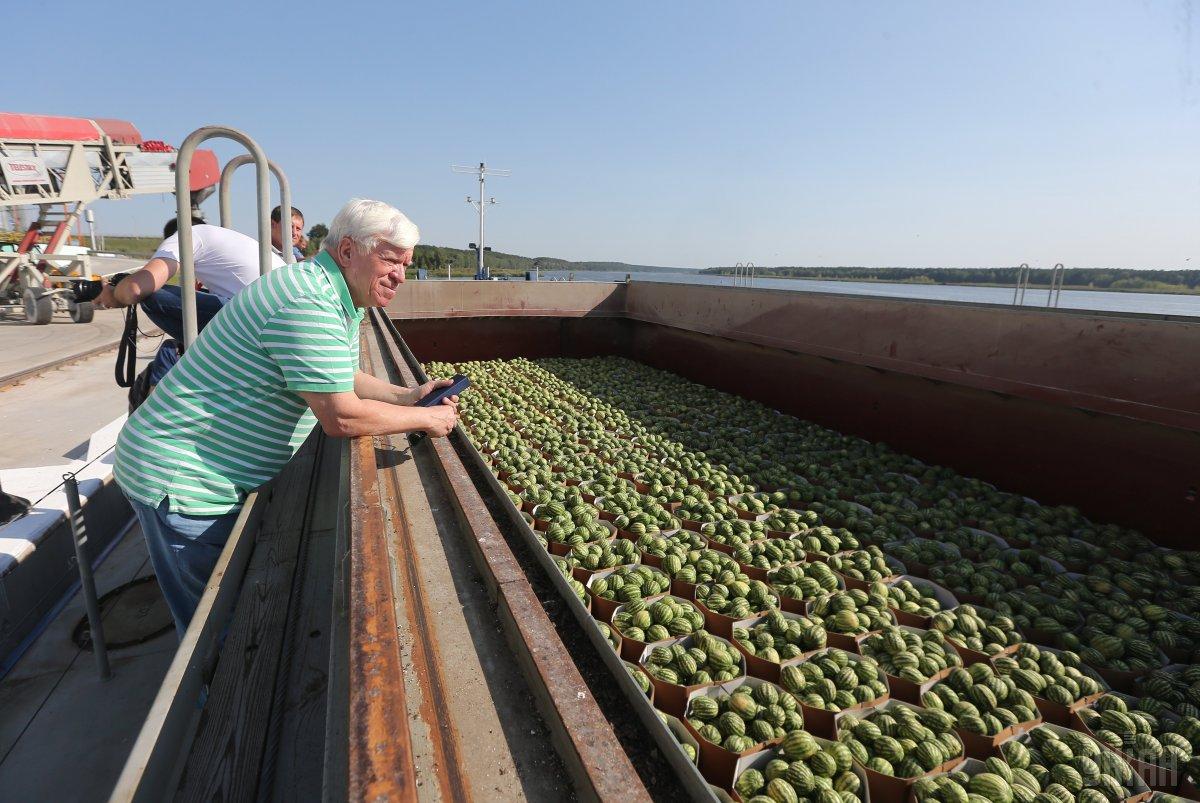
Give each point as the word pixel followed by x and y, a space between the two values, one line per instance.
pixel 586 741
pixel 426 657
pixel 380 762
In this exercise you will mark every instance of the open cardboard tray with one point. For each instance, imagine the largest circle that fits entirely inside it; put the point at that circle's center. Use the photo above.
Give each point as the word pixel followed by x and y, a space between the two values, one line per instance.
pixel 853 582
pixel 672 698
pixel 819 721
pixel 562 550
pixel 1053 567
pixel 721 625
pixel 716 763
pixel 759 667
pixel 1159 779
pixel 982 747
pixel 801 606
pixel 1140 790
pixel 603 608
pixel 970 766
pixel 995 539
pixel 760 760
pixel 1125 679
pixel 909 691
pixel 940 593
pixel 1060 714
pixel 728 549
pixel 632 649
pixel 921 570
pixel 889 787
pixel 1177 654
pixel 971 656
pixel 688 774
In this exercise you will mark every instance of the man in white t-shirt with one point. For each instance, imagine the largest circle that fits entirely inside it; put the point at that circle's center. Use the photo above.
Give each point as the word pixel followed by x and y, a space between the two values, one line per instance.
pixel 226 261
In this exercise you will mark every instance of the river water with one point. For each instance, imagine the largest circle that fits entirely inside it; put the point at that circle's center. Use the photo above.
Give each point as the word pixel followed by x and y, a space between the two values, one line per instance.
pixel 1155 303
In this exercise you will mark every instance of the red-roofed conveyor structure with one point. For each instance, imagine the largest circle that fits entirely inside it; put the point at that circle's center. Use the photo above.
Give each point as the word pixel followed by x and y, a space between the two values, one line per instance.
pixel 60 165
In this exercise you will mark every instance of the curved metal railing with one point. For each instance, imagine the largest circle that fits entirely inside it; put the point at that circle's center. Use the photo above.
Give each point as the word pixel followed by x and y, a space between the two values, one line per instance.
pixel 187 265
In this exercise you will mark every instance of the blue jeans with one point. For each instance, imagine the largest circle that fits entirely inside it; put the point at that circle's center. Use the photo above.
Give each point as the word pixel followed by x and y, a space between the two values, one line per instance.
pixel 183 551
pixel 165 308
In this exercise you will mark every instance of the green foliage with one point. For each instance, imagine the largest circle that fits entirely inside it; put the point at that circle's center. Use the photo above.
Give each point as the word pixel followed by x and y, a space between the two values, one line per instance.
pixel 316 235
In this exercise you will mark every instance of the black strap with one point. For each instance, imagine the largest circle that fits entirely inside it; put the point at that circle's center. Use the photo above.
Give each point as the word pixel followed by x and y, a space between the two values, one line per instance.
pixel 126 369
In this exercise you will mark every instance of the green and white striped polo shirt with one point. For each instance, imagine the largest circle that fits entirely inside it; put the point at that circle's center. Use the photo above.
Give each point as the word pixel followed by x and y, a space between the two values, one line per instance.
pixel 229 415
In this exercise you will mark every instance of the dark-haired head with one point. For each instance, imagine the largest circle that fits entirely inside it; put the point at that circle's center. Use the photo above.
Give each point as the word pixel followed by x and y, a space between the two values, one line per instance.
pixel 173 225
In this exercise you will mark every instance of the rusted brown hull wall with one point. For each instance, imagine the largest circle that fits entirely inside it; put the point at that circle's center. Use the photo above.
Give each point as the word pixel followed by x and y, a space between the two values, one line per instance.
pixel 1092 410
pixel 458 339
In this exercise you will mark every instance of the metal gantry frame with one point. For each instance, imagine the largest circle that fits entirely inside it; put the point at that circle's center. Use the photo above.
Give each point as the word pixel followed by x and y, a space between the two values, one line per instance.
pixel 63 176
pixel 187 264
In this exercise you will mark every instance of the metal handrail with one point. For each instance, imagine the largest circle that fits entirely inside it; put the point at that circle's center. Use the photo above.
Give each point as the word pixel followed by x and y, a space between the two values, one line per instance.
pixel 183 206
pixel 285 198
pixel 1057 276
pixel 1022 284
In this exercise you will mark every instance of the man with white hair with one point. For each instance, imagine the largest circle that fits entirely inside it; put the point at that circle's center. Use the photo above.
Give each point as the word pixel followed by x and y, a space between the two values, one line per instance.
pixel 281 356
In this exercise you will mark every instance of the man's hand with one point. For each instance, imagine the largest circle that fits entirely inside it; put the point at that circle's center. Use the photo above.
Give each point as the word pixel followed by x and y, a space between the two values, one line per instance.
pixel 442 419
pixel 422 391
pixel 107 298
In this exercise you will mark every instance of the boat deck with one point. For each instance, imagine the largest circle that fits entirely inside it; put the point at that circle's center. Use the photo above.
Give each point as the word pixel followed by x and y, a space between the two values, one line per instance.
pixel 64 733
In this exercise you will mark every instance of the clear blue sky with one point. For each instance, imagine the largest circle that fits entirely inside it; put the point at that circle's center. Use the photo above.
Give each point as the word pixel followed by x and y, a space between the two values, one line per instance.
pixel 688 134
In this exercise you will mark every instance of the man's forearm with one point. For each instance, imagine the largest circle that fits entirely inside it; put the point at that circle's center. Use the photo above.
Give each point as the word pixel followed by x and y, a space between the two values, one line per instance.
pixel 372 387
pixel 140 284
pixel 371 417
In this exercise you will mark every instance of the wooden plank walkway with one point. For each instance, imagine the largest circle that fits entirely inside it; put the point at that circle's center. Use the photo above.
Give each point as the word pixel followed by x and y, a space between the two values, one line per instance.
pixel 264 723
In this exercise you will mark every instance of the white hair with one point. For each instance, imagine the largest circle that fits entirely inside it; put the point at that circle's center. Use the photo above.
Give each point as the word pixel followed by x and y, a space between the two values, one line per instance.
pixel 367 223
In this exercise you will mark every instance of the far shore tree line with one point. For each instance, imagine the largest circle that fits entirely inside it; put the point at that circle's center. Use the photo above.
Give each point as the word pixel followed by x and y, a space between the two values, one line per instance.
pixel 1098 278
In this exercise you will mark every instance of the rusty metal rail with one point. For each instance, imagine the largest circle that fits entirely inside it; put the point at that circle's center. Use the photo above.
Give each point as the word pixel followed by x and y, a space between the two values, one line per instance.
pixel 380 749
pixel 585 739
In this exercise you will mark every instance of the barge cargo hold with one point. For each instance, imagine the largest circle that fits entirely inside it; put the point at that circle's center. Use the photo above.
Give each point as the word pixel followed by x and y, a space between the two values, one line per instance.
pixel 396 635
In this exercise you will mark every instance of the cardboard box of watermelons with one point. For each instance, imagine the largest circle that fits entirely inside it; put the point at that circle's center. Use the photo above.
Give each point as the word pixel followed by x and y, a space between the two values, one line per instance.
pixel 671 698
pixel 1059 713
pixel 865 585
pixel 981 747
pixel 971 656
pixel 761 667
pixel 918 568
pixel 968 766
pixel 632 648
pixel 797 604
pixel 1140 790
pixel 850 641
pixel 1126 679
pixel 820 721
pixel 1158 778
pixel 940 593
pixel 602 607
pixel 907 690
pixel 717 762
pixel 759 761
pixel 890 787
pixel 722 624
